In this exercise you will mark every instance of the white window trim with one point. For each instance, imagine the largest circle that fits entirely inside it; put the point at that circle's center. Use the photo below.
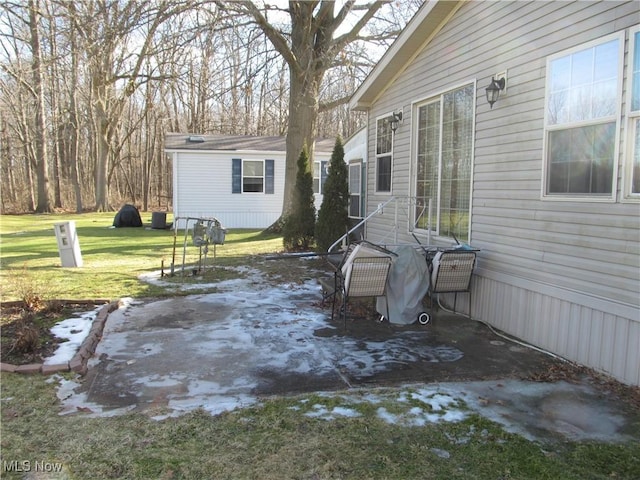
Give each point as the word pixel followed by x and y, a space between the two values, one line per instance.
pixel 631 117
pixel 376 156
pixel 313 177
pixel 590 198
pixel 320 184
pixel 243 176
pixel 359 163
pixel 411 228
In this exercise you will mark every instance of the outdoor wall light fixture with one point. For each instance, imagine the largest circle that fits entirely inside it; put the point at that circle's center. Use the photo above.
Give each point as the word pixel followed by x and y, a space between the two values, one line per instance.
pixel 494 89
pixel 395 119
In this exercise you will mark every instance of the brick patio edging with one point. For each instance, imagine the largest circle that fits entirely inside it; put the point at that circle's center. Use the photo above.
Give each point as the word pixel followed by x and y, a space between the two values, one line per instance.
pixel 78 362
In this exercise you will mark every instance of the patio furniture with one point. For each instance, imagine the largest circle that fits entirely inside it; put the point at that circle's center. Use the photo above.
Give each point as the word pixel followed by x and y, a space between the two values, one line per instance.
pixel 407 286
pixel 451 272
pixel 362 272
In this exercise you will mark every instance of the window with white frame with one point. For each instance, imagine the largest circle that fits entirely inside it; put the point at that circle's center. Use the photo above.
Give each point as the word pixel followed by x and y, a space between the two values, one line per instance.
pixel 355 189
pixel 252 176
pixel 443 163
pixel 319 176
pixel 581 120
pixel 384 155
pixel 633 168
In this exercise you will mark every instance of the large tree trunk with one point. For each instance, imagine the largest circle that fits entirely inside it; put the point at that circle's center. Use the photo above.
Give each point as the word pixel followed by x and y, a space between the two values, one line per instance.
pixel 101 170
pixel 310 49
pixel 73 137
pixel 42 168
pixel 73 158
pixel 31 197
pixel 303 114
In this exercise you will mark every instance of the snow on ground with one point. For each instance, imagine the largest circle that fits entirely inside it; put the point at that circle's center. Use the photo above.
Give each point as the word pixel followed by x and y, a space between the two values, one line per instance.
pixel 72 332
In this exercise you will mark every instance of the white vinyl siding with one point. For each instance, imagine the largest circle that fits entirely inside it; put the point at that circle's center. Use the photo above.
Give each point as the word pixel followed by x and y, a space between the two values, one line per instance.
pixel 583 98
pixel 560 274
pixel 202 184
pixel 202 189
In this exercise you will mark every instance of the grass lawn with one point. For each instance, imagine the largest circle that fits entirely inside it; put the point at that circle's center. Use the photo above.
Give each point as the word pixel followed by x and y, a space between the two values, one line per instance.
pixel 278 441
pixel 275 440
pixel 113 258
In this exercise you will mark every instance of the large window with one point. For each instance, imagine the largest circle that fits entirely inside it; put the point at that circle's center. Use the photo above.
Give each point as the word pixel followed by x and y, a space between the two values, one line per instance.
pixel 633 184
pixel 384 155
pixel 443 163
pixel 581 120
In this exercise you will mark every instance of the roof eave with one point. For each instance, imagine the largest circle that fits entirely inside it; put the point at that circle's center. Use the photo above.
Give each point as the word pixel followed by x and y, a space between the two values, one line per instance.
pixel 417 34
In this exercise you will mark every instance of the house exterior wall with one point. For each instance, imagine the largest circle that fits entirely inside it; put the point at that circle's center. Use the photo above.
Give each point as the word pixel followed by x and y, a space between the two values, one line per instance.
pixel 203 188
pixel 562 274
pixel 355 148
pixel 355 155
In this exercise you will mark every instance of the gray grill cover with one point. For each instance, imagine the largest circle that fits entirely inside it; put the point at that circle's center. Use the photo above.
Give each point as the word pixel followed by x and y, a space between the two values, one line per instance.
pixel 407 285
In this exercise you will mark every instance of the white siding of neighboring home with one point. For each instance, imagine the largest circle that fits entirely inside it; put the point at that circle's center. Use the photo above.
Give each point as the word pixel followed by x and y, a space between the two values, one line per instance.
pixel 355 154
pixel 202 188
pixel 561 274
pixel 355 147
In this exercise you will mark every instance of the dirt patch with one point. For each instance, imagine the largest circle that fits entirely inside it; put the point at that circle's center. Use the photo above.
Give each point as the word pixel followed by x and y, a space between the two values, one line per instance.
pixel 576 374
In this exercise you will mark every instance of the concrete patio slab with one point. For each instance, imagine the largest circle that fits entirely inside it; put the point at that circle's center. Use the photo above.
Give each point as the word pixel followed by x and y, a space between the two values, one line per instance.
pixel 253 338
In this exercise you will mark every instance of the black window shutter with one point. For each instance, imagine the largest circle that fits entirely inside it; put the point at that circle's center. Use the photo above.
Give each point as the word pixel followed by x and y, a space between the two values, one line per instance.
pixel 269 176
pixel 236 175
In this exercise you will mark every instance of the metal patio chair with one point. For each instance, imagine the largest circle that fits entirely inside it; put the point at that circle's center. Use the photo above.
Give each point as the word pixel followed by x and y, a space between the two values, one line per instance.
pixel 363 274
pixel 451 272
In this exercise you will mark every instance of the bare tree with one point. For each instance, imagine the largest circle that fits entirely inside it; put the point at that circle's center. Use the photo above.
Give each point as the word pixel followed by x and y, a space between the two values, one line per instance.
pixel 42 166
pixel 311 44
pixel 114 75
pixel 118 37
pixel 5 167
pixel 31 81
pixel 72 128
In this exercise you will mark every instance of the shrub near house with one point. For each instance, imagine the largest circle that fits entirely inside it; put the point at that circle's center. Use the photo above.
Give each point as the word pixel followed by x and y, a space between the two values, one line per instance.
pixel 333 220
pixel 299 224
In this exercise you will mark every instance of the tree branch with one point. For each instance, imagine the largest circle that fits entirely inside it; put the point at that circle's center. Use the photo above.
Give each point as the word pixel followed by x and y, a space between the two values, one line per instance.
pixel 326 106
pixel 275 36
pixel 351 35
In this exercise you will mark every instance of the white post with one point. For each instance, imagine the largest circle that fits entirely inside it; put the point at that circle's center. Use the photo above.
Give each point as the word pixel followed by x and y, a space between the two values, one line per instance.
pixel 429 225
pixel 68 244
pixel 395 225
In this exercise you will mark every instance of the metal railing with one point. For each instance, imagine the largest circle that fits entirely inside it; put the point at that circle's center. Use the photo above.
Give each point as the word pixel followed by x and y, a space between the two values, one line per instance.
pixel 399 203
